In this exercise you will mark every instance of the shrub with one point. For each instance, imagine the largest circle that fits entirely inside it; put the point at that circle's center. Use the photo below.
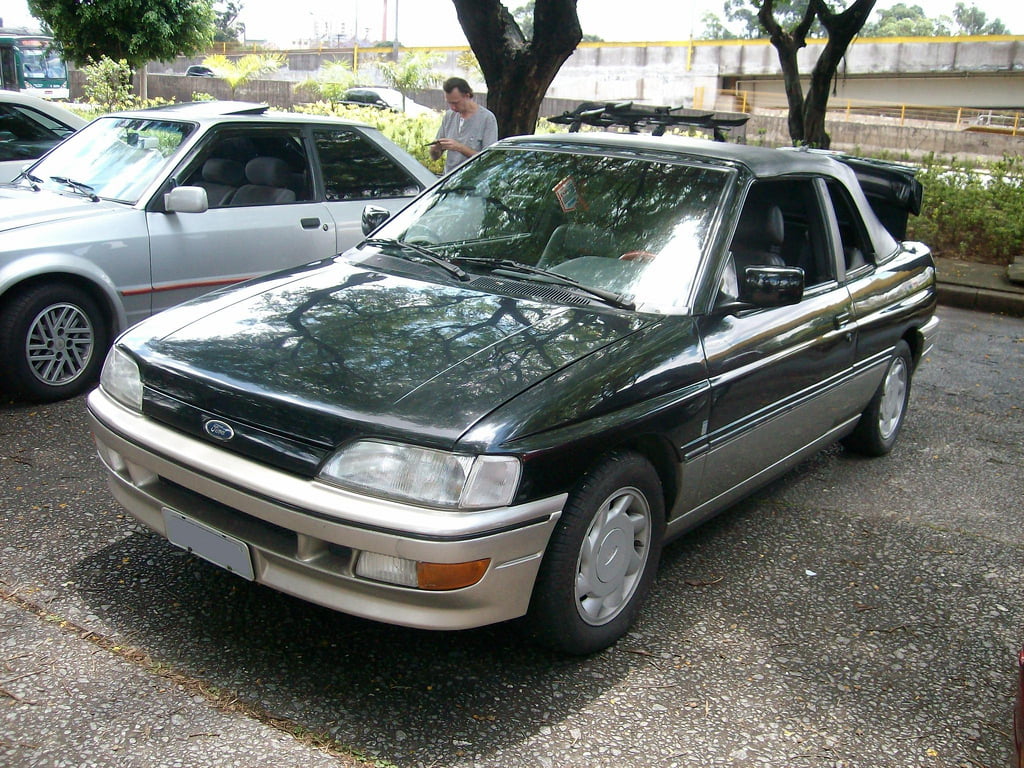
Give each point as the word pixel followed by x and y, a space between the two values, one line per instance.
pixel 108 83
pixel 972 212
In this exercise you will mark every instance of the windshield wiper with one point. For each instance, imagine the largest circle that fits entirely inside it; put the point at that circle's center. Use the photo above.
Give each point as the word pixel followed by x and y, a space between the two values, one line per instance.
pixel 517 267
pixel 34 181
pixel 80 187
pixel 420 252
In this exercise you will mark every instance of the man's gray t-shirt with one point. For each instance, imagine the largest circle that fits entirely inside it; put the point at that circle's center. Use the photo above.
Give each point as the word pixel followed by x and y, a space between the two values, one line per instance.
pixel 477 131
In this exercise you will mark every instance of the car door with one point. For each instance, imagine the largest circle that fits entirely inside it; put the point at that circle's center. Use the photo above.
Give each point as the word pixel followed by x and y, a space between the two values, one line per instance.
pixel 357 170
pixel 263 214
pixel 779 375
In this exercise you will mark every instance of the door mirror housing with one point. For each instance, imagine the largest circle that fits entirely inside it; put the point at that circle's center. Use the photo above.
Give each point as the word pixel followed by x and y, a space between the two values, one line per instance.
pixel 764 286
pixel 373 217
pixel 186 200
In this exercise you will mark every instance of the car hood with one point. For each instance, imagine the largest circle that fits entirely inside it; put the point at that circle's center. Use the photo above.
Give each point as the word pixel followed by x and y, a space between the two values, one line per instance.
pixel 336 350
pixel 22 207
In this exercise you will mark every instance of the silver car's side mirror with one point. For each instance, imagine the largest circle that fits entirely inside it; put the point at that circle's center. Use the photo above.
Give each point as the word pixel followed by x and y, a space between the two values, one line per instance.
pixel 373 217
pixel 186 200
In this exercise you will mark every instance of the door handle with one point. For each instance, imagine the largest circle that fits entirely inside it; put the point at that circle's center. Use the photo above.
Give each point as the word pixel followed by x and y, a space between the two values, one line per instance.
pixel 840 320
pixel 311 223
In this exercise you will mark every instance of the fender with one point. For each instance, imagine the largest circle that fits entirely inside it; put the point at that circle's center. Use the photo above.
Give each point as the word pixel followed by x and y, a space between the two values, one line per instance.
pixel 53 266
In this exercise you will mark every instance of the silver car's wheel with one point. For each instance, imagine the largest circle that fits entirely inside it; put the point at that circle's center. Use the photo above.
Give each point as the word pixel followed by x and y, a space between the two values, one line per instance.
pixel 60 343
pixel 613 555
pixel 880 423
pixel 52 340
pixel 602 556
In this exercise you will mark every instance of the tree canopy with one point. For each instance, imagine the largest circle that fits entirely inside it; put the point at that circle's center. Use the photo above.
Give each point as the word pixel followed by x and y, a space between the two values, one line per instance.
pixel 739 20
pixel 902 20
pixel 227 27
pixel 137 31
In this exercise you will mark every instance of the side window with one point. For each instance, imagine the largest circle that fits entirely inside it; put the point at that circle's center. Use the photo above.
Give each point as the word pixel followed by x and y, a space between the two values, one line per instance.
pixel 781 224
pixel 857 251
pixel 256 167
pixel 26 134
pixel 356 169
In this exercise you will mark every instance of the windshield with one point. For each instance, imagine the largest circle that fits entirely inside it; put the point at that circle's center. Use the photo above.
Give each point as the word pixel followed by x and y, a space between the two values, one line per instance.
pixel 631 226
pixel 43 65
pixel 115 158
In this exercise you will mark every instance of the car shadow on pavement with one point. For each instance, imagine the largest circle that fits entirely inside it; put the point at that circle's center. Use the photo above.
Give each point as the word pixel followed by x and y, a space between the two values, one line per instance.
pixel 400 694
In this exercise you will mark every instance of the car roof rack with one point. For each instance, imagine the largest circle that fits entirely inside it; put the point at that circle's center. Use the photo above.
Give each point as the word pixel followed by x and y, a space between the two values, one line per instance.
pixel 637 117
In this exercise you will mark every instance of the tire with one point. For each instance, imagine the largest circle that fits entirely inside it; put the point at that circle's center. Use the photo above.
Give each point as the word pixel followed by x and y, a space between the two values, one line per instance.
pixel 880 424
pixel 52 342
pixel 601 559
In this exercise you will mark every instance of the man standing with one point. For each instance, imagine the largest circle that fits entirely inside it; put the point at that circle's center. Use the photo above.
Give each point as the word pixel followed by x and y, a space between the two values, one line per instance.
pixel 466 129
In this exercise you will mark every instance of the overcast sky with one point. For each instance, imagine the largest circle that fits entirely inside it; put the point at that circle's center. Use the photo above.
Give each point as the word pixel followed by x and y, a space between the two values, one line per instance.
pixel 433 22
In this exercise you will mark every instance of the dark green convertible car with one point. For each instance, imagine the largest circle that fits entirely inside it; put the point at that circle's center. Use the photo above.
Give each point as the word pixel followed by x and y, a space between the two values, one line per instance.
pixel 511 394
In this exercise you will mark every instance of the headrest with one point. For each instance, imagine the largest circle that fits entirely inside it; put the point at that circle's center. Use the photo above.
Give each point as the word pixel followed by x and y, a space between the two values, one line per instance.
pixel 268 172
pixel 761 225
pixel 219 170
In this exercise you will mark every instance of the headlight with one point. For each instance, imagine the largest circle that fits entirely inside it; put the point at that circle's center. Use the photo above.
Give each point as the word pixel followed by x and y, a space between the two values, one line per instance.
pixel 424 476
pixel 121 380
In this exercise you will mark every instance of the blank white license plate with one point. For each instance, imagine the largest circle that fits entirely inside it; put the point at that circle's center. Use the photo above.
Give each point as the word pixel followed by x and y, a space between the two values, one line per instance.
pixel 205 542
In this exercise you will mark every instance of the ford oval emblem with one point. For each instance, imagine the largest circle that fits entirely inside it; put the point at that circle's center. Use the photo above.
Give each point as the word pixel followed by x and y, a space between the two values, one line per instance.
pixel 219 430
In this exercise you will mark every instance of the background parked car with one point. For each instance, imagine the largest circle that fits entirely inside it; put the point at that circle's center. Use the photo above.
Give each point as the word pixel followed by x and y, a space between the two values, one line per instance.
pixel 29 127
pixel 141 210
pixel 198 70
pixel 383 98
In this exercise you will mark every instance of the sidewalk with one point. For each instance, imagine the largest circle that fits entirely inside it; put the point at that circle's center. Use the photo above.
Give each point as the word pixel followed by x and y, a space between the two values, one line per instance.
pixel 984 287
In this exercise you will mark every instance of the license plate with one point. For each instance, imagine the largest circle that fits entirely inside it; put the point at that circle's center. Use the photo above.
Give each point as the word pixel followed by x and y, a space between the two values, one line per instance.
pixel 205 542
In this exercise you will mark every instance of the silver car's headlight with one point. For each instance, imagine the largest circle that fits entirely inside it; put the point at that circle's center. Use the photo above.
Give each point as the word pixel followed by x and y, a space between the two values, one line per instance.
pixel 121 379
pixel 424 476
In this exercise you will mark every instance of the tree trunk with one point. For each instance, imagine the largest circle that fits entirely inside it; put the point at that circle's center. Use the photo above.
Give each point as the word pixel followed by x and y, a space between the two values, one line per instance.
pixel 518 71
pixel 788 45
pixel 807 113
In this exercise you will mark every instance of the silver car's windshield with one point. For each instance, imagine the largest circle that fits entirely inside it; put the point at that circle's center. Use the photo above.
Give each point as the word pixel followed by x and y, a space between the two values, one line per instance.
pixel 115 158
pixel 633 226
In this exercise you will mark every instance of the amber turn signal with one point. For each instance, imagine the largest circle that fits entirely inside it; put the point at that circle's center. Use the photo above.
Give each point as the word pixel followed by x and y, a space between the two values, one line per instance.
pixel 440 576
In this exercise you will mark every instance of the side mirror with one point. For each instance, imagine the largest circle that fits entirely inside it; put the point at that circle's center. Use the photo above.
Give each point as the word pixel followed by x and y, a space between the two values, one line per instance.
pixel 772 286
pixel 373 217
pixel 186 200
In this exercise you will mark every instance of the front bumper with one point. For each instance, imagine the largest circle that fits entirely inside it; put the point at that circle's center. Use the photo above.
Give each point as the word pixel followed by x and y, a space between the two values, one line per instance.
pixel 304 536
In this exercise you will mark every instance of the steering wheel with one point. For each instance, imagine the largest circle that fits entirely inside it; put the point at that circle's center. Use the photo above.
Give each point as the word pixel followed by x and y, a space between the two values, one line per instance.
pixel 421 235
pixel 638 256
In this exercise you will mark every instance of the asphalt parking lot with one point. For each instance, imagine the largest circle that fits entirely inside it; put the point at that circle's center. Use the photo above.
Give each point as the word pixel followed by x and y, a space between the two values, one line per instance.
pixel 854 613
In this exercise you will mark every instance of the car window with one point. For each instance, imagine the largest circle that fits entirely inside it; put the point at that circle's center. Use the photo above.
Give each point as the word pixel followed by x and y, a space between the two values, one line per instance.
pixel 256 166
pixel 115 158
pixel 354 168
pixel 26 133
pixel 856 245
pixel 782 224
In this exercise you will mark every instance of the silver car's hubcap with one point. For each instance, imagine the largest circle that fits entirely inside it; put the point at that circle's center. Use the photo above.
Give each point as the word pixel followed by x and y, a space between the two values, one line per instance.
pixel 60 344
pixel 894 395
pixel 612 558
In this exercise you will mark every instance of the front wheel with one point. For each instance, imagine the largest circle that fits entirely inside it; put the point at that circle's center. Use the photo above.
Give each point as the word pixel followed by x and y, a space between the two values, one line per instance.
pixel 52 340
pixel 601 559
pixel 879 425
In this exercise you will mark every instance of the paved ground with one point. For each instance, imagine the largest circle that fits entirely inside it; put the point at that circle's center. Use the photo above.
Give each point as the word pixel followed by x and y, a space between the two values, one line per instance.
pixel 855 613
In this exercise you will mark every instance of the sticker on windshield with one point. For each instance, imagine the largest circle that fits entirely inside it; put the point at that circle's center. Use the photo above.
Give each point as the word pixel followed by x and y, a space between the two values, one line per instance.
pixel 567 194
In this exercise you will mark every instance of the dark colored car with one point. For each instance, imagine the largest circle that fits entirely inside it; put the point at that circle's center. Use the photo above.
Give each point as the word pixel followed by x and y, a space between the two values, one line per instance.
pixel 198 70
pixel 516 390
